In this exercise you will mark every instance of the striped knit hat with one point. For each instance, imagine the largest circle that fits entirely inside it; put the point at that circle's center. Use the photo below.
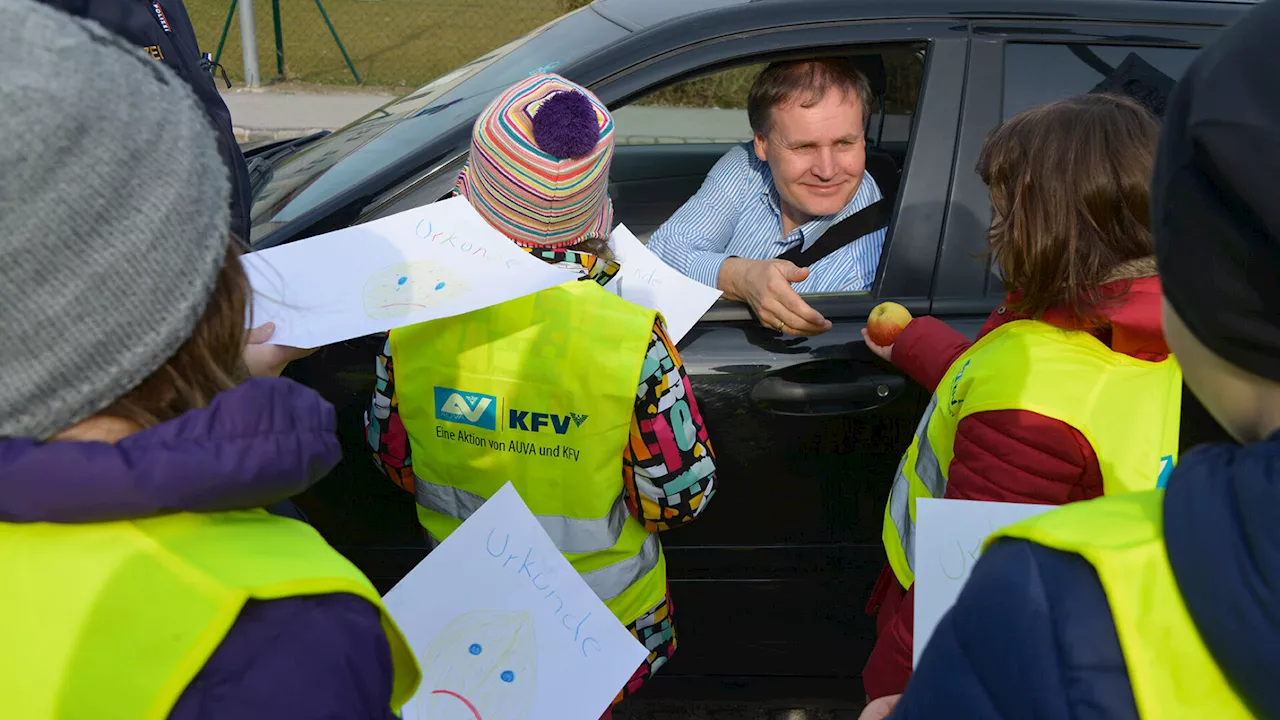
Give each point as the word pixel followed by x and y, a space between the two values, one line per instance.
pixel 539 167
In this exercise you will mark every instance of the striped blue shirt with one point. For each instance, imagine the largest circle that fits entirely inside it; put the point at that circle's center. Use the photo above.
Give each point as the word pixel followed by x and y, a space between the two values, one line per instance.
pixel 736 214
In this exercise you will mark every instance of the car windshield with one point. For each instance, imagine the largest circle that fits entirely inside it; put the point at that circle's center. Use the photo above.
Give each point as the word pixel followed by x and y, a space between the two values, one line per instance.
pixel 328 166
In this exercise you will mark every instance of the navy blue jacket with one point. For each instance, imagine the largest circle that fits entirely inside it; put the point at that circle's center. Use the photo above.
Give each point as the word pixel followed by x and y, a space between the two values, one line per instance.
pixel 163 30
pixel 1031 635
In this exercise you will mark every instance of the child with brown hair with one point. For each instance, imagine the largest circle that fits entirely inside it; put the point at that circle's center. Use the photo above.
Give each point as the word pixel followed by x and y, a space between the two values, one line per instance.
pixel 1160 603
pixel 1069 391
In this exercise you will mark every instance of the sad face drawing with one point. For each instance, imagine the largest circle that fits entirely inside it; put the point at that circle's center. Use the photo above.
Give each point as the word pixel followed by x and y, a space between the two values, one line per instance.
pixel 403 289
pixel 482 666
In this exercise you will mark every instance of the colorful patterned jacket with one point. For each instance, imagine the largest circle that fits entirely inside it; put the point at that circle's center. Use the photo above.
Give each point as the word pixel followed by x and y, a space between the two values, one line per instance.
pixel 659 492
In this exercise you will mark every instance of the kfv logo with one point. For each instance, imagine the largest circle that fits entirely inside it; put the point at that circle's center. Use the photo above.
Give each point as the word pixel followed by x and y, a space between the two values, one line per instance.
pixel 536 421
pixel 467 408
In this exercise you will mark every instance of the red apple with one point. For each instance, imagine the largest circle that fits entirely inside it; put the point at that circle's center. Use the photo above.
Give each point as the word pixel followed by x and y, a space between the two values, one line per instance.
pixel 886 322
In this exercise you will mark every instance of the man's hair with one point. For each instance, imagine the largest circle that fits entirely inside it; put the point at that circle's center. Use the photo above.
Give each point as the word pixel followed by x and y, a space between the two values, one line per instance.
pixel 1069 195
pixel 805 82
pixel 210 361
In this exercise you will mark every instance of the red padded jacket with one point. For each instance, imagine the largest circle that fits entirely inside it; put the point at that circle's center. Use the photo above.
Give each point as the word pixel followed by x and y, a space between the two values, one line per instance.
pixel 1006 455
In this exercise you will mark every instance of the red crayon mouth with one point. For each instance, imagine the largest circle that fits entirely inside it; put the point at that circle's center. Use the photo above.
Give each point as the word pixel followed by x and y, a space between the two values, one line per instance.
pixel 460 699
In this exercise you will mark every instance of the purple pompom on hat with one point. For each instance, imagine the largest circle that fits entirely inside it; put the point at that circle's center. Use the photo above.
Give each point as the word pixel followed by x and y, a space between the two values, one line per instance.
pixel 539 166
pixel 566 126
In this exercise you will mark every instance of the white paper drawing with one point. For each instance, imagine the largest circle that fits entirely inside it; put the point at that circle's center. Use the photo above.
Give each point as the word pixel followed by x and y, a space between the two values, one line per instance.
pixel 483 664
pixel 949 538
pixel 646 280
pixel 406 288
pixel 505 629
pixel 434 261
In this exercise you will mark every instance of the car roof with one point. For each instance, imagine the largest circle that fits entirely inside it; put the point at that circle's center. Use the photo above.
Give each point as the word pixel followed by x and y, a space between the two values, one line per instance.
pixel 636 15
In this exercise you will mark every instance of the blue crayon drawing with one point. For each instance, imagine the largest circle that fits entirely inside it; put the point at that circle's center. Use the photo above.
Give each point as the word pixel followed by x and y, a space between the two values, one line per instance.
pixel 407 288
pixel 481 666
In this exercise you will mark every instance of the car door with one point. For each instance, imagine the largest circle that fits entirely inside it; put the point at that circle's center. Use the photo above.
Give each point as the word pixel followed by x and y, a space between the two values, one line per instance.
pixel 770 584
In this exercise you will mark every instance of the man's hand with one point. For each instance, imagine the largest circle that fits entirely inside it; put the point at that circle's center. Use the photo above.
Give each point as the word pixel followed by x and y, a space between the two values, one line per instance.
pixel 880 708
pixel 265 360
pixel 765 285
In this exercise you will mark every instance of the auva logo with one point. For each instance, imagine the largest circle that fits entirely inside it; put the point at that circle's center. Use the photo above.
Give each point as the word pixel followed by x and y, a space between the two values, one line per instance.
pixel 467 408
pixel 1166 469
pixel 536 421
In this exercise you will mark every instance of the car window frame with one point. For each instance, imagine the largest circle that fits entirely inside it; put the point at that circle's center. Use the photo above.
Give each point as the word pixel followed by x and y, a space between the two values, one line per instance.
pixel 968 284
pixel 906 268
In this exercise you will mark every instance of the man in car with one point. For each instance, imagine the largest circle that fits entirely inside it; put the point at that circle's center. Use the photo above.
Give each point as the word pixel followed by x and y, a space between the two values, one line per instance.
pixel 163 31
pixel 803 173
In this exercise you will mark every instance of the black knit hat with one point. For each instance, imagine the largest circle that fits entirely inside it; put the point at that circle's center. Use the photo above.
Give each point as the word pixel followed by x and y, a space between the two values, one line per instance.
pixel 1215 195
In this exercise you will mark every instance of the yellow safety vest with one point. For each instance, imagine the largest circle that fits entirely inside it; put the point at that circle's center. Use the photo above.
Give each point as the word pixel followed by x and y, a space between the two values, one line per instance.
pixel 113 620
pixel 539 391
pixel 1171 671
pixel 1128 410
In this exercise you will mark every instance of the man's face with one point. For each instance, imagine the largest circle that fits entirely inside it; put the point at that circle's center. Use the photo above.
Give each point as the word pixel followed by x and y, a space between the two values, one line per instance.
pixel 817 154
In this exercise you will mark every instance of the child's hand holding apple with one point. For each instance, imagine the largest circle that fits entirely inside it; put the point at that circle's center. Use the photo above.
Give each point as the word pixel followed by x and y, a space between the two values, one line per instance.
pixel 885 323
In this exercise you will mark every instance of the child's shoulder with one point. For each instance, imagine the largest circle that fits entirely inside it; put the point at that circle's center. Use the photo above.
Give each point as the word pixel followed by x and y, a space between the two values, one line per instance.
pixel 278 648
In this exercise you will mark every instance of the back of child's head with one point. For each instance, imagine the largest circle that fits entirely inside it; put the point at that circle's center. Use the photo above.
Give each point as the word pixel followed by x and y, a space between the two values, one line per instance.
pixel 119 291
pixel 1217 225
pixel 539 165
pixel 1069 198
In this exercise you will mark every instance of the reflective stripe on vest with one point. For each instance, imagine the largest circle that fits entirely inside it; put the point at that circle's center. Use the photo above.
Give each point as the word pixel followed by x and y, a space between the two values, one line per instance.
pixel 114 620
pixel 539 391
pixel 919 475
pixel 1172 673
pixel 1074 378
pixel 571 535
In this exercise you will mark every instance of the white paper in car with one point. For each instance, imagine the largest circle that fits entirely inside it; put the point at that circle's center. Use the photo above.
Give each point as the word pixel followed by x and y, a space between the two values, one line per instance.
pixel 949 537
pixel 504 627
pixel 646 280
pixel 431 262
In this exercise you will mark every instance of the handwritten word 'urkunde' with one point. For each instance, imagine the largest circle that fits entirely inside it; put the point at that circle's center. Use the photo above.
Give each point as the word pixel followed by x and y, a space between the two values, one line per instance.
pixel 528 569
pixel 439 237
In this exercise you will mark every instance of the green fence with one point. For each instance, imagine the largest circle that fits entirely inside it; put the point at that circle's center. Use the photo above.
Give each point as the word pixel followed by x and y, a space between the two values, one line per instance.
pixel 391 43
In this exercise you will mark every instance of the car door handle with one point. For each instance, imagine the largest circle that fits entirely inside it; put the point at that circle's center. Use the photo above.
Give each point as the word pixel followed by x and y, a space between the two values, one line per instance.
pixel 788 397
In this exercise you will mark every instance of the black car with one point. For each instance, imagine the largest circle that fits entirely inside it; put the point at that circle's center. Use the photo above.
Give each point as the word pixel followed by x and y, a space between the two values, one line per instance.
pixel 770 584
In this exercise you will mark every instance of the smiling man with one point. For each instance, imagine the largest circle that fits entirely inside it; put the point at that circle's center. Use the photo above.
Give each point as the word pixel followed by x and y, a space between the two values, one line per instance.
pixel 803 173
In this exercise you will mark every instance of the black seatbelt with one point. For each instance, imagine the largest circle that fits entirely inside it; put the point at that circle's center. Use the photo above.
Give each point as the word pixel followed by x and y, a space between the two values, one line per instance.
pixel 860 224
pixel 1134 77
pixel 1091 58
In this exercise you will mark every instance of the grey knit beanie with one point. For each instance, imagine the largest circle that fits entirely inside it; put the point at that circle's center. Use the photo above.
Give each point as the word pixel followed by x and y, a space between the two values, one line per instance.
pixel 114 217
